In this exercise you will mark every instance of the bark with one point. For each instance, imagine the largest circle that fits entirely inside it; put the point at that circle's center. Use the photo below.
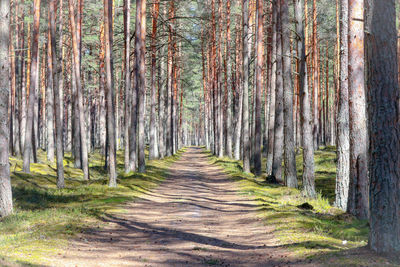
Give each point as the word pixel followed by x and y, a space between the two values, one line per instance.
pixel 50 99
pixel 246 69
pixel 108 4
pixel 358 186
pixel 305 108
pixel 127 42
pixel 343 142
pixel 315 77
pixel 279 123
pixel 259 87
pixel 220 85
pixel 153 147
pixel 56 92
pixel 239 91
pixel 6 205
pixel 140 51
pixel 289 144
pixel 229 82
pixel 77 73
pixel 272 103
pixel 384 127
pixel 28 146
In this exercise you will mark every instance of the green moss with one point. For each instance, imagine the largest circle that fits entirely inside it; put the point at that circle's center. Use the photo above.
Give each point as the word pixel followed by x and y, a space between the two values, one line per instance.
pixel 323 230
pixel 46 217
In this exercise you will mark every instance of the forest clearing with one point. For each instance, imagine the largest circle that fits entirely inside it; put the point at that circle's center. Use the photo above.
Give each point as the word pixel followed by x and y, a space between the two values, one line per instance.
pixel 199 133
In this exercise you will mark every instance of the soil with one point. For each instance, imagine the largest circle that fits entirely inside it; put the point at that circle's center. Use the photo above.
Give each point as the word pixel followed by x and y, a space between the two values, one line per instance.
pixel 197 217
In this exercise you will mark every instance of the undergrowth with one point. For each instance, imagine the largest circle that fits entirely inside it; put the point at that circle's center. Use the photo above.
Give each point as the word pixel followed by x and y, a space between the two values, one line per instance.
pixel 46 217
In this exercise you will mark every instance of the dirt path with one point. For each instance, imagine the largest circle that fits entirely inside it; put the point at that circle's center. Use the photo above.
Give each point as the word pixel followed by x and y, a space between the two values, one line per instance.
pixel 196 218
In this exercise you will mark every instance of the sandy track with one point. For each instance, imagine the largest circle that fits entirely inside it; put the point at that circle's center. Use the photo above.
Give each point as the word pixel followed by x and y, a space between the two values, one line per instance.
pixel 195 218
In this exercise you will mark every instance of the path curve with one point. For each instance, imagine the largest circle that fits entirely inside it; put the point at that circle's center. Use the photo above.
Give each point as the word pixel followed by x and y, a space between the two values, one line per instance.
pixel 195 218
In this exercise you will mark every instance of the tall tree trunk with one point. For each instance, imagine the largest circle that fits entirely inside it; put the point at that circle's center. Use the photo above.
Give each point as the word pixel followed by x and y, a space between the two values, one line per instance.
pixel 56 92
pixel 289 145
pixel 32 92
pixel 127 42
pixel 305 107
pixel 246 70
pixel 229 81
pixel 272 103
pixel 153 148
pixel 279 120
pixel 140 51
pixel 259 86
pixel 343 142
pixel 6 205
pixel 384 127
pixel 50 97
pixel 75 48
pixel 239 90
pixel 108 4
pixel 315 77
pixel 358 188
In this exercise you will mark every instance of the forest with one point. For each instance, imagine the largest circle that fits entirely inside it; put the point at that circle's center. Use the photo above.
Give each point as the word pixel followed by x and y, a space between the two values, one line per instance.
pixel 199 133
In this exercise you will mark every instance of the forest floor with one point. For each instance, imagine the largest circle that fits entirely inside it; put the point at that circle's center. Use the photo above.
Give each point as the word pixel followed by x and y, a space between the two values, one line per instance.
pixel 205 213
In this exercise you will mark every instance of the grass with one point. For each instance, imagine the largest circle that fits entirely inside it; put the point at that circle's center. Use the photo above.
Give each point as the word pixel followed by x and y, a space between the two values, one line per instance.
pixel 46 217
pixel 324 231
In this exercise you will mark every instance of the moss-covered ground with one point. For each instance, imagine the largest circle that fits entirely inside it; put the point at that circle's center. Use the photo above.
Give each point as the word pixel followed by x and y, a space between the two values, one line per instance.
pixel 323 234
pixel 46 217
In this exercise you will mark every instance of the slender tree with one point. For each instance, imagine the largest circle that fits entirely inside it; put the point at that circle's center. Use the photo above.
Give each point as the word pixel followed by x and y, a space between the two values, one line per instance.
pixel 279 120
pixel 153 146
pixel 259 86
pixel 49 98
pixel 305 107
pixel 127 58
pixel 140 68
pixel 108 4
pixel 246 69
pixel 56 93
pixel 28 146
pixel 358 184
pixel 79 89
pixel 289 144
pixel 6 205
pixel 384 126
pixel 343 143
pixel 272 103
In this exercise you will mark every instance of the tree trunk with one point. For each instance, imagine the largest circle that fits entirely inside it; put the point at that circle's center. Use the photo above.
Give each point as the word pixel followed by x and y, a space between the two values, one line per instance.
pixel 358 184
pixel 127 42
pixel 315 77
pixel 76 63
pixel 289 146
pixel 272 103
pixel 245 82
pixel 32 92
pixel 305 108
pixel 56 91
pixel 343 142
pixel 259 87
pixel 6 205
pixel 279 123
pixel 153 148
pixel 384 127
pixel 110 94
pixel 50 98
pixel 140 51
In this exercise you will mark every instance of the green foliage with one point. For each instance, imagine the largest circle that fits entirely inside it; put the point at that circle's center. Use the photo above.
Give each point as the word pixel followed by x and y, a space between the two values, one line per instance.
pixel 46 217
